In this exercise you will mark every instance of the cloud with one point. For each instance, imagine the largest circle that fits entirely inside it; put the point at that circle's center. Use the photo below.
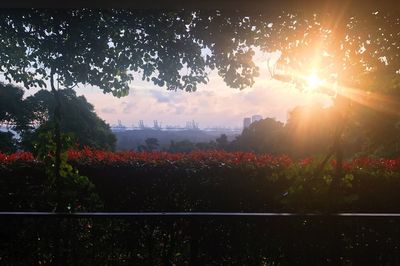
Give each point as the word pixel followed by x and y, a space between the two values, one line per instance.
pixel 213 104
pixel 179 110
pixel 108 110
pixel 129 107
pixel 160 96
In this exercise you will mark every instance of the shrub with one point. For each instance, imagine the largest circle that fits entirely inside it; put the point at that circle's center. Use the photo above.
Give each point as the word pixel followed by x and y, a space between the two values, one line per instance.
pixel 202 181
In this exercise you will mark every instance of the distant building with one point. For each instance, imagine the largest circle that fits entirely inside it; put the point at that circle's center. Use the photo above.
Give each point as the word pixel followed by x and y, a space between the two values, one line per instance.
pixel 192 125
pixel 118 127
pixel 141 125
pixel 246 122
pixel 256 118
pixel 157 126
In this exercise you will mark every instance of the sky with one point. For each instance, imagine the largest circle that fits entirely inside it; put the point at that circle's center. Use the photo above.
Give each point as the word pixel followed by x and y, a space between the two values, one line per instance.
pixel 213 104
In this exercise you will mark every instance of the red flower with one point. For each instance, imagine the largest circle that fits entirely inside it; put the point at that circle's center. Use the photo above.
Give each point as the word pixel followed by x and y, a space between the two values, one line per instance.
pixel 200 158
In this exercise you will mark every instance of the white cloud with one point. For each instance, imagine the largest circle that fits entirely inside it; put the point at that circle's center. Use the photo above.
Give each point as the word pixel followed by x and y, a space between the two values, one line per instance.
pixel 108 110
pixel 212 104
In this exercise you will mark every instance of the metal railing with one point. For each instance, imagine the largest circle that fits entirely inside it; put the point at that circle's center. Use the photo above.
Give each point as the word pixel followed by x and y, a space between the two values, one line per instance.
pixel 191 214
pixel 199 238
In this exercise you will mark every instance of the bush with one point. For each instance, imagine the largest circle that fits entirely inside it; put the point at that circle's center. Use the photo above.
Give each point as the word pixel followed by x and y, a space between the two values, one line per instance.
pixel 211 181
pixel 204 181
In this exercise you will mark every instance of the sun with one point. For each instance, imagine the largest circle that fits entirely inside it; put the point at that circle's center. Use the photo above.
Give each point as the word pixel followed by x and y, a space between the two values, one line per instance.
pixel 313 82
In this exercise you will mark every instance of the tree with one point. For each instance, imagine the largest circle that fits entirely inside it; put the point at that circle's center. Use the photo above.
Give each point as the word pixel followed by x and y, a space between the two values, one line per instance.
pixel 7 142
pixel 352 53
pixel 12 113
pixel 176 49
pixel 309 130
pixel 33 115
pixel 222 142
pixel 78 115
pixel 379 131
pixel 151 145
pixel 181 146
pixel 264 136
pixel 103 47
pixel 206 146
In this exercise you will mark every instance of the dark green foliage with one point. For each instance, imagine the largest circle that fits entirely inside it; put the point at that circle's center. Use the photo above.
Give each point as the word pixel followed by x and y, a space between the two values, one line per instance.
pixel 33 115
pixel 79 119
pixel 13 111
pixel 264 136
pixel 66 189
pixel 204 146
pixel 10 102
pixel 14 114
pixel 348 49
pixel 191 185
pixel 222 142
pixel 309 131
pixel 151 145
pixel 377 132
pixel 181 146
pixel 188 146
pixel 212 187
pixel 7 142
pixel 99 47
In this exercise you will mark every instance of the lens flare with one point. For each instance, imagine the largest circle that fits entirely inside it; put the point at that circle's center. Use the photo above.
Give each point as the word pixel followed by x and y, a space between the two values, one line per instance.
pixel 313 82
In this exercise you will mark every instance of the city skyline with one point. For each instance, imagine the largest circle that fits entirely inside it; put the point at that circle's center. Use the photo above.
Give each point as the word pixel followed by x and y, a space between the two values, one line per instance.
pixel 156 124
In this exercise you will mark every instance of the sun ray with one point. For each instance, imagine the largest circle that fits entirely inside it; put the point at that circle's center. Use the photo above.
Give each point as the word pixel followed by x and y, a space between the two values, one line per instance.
pixel 377 101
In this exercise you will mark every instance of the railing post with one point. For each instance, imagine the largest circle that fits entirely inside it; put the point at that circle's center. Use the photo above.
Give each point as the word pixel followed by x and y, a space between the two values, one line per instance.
pixel 194 228
pixel 58 253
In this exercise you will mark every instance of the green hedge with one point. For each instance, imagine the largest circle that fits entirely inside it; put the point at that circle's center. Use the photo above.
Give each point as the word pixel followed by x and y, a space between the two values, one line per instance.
pixel 208 181
pixel 204 181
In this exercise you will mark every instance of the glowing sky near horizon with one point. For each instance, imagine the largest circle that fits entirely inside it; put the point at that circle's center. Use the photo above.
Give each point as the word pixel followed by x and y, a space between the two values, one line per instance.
pixel 213 104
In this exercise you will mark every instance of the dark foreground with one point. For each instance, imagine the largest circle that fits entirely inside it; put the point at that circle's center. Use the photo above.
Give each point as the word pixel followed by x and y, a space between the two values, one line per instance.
pixel 159 239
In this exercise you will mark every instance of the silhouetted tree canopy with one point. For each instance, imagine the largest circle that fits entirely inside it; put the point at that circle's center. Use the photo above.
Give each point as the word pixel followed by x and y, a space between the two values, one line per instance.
pixel 181 146
pixel 12 113
pixel 177 49
pixel 377 132
pixel 104 47
pixel 7 142
pixel 222 141
pixel 309 131
pixel 151 144
pixel 13 116
pixel 28 117
pixel 264 136
pixel 79 118
pixel 340 47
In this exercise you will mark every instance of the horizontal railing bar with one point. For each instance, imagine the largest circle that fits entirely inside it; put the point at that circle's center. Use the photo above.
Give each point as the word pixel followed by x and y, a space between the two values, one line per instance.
pixel 190 214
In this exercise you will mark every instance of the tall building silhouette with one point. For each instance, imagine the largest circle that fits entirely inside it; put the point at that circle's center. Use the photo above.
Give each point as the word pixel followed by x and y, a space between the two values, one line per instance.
pixel 246 122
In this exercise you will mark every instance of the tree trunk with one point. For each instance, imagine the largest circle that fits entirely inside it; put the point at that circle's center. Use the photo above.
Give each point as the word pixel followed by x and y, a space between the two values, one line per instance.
pixel 57 136
pixel 337 147
pixel 341 112
pixel 341 116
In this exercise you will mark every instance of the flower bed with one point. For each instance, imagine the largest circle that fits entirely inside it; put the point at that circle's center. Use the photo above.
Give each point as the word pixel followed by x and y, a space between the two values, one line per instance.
pixel 207 181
